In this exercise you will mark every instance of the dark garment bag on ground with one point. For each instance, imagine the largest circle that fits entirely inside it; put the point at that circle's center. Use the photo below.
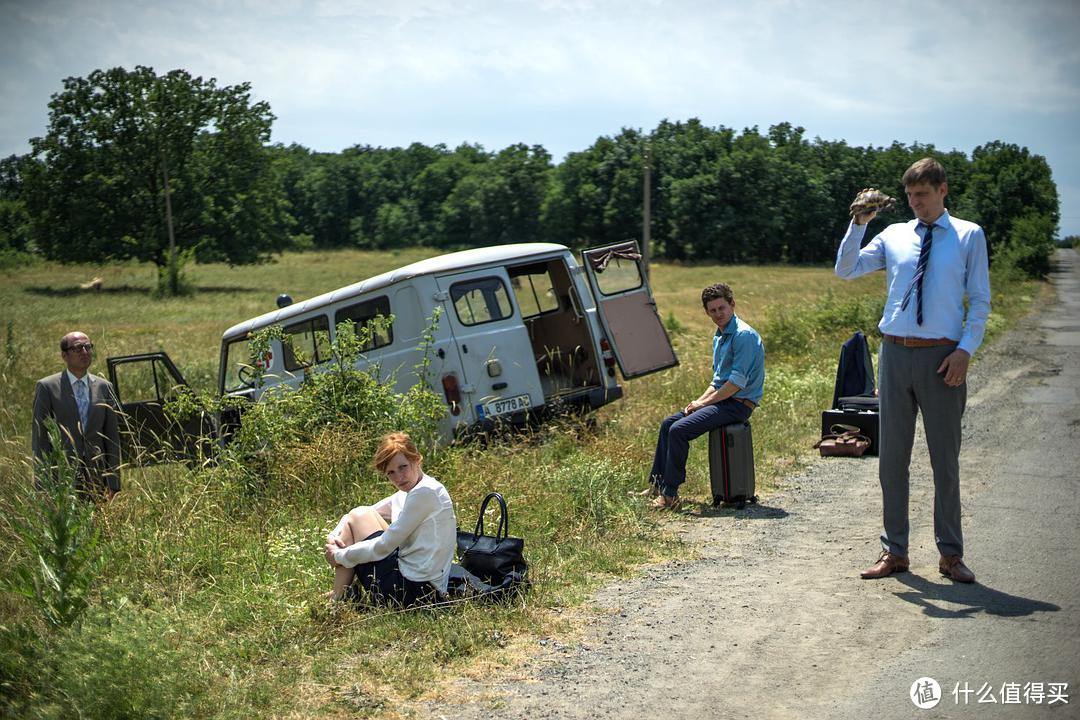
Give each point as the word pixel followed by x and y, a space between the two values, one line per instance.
pixel 731 464
pixel 854 370
pixel 854 401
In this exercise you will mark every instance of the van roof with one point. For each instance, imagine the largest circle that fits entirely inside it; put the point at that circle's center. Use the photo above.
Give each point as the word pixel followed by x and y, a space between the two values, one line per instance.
pixel 455 261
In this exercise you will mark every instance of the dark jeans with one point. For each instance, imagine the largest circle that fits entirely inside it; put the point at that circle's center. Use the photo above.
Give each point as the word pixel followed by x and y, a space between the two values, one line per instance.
pixel 386 585
pixel 676 432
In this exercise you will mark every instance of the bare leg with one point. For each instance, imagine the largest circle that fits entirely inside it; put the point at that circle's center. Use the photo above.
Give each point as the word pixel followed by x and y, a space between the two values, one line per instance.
pixel 359 523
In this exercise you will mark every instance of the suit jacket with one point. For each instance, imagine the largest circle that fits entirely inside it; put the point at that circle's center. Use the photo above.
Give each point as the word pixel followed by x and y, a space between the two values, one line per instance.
pixel 855 371
pixel 96 448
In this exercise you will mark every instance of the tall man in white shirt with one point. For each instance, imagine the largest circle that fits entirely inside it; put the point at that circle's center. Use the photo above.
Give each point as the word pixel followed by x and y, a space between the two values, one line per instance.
pixel 932 263
pixel 86 410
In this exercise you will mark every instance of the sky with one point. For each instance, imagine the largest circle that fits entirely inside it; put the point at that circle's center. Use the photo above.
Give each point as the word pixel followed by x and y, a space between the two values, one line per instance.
pixel 561 74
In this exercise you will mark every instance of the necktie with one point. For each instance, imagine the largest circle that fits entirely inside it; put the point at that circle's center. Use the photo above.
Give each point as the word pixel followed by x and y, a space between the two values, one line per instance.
pixel 920 271
pixel 82 400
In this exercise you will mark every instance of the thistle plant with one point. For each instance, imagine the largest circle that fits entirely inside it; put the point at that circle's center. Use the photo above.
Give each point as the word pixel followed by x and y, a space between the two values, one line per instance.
pixel 60 540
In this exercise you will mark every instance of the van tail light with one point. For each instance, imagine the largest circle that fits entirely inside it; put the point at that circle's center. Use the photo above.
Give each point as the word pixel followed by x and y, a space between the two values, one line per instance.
pixel 609 357
pixel 452 393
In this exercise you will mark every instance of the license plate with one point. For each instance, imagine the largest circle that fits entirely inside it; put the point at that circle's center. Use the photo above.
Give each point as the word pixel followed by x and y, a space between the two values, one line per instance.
pixel 505 405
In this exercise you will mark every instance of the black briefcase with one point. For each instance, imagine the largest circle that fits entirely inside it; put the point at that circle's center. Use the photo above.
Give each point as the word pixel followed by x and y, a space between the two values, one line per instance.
pixel 864 419
pixel 731 464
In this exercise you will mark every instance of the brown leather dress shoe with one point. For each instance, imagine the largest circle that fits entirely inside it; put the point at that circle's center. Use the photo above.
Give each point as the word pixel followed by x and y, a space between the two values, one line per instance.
pixel 887 564
pixel 953 567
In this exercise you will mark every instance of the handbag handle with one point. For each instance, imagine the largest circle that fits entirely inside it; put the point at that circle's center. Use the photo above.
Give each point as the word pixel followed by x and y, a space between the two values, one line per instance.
pixel 504 517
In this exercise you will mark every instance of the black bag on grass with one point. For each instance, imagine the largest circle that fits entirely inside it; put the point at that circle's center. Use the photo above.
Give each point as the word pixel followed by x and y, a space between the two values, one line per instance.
pixel 496 560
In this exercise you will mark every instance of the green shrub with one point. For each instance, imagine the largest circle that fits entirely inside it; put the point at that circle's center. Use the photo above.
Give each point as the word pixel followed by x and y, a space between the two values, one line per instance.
pixel 11 259
pixel 1029 247
pixel 787 332
pixel 172 280
pixel 314 440
pixel 60 541
pixel 847 316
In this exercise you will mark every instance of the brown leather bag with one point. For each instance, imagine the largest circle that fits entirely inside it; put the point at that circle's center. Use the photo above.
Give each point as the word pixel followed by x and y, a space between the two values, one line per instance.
pixel 843 441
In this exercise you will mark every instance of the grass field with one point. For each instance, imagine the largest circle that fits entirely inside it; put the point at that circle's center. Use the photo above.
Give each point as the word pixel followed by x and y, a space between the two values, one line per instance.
pixel 209 601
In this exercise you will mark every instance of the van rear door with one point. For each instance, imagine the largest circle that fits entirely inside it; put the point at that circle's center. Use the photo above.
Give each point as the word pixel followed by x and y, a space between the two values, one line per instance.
pixel 627 309
pixel 501 380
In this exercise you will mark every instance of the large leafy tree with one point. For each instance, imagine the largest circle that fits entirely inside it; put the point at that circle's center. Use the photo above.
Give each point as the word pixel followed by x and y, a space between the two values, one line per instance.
pixel 96 186
pixel 1007 185
pixel 14 220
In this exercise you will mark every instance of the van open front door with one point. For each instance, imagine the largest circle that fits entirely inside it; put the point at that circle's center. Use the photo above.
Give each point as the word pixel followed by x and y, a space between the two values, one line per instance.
pixel 144 383
pixel 627 310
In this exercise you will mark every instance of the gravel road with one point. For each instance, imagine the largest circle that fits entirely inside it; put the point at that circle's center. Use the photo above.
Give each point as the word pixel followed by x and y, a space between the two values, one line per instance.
pixel 772 621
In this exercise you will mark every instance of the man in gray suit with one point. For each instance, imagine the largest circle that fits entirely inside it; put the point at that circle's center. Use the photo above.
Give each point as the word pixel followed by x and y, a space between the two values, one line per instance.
pixel 87 412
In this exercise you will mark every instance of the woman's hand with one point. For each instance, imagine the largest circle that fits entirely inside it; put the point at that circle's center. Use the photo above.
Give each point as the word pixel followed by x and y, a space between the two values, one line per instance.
pixel 332 544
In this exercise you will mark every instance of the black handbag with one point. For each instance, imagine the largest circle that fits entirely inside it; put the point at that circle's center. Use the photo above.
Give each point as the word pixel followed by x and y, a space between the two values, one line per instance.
pixel 497 560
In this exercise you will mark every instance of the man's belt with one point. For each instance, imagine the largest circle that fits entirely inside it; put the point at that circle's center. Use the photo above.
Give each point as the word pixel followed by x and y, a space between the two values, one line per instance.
pixel 748 403
pixel 918 342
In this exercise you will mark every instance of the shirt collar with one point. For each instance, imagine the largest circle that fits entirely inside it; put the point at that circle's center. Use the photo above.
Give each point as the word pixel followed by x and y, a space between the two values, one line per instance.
pixel 731 326
pixel 941 222
pixel 72 379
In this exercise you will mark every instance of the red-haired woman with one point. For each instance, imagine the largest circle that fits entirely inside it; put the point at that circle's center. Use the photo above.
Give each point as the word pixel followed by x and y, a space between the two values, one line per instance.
pixel 405 562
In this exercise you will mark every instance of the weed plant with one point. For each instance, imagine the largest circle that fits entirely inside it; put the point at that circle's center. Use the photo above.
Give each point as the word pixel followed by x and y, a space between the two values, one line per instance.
pixel 208 599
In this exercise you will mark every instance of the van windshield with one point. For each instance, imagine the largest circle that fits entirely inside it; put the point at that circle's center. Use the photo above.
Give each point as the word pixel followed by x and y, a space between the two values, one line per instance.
pixel 238 370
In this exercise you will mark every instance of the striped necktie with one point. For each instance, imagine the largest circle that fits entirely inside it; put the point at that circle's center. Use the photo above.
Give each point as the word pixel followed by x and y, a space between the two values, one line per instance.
pixel 920 271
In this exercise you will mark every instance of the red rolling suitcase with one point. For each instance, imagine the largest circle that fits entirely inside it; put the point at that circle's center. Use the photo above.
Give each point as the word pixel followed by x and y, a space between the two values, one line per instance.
pixel 731 464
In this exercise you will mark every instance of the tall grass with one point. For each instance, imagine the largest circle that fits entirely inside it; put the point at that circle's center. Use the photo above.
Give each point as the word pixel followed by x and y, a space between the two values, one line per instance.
pixel 208 602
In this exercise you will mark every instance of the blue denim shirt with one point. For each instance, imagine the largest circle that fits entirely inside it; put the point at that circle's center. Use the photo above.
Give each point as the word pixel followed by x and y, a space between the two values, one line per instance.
pixel 739 357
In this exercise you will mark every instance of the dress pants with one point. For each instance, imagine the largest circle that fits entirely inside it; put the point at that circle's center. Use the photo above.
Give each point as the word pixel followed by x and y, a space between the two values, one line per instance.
pixel 676 432
pixel 909 383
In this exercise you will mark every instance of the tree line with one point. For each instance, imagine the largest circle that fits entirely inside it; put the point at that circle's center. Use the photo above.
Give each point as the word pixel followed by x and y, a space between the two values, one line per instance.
pixel 94 187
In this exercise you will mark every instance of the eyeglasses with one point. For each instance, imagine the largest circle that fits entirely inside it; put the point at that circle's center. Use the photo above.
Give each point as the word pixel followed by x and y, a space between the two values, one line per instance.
pixel 80 347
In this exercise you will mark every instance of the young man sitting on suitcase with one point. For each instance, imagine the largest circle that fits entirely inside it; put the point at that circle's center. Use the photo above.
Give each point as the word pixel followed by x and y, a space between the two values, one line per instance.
pixel 735 390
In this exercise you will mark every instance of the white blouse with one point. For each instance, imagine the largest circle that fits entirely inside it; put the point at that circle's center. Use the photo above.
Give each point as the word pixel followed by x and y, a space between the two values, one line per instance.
pixel 423 528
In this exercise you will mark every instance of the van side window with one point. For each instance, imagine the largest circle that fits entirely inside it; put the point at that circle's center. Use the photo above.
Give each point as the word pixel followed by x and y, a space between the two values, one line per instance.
pixel 620 275
pixel 363 313
pixel 481 300
pixel 534 289
pixel 306 348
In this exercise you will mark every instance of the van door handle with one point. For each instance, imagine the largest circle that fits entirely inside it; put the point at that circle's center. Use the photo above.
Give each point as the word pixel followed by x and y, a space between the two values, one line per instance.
pixel 499 386
pixel 464 348
pixel 441 353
